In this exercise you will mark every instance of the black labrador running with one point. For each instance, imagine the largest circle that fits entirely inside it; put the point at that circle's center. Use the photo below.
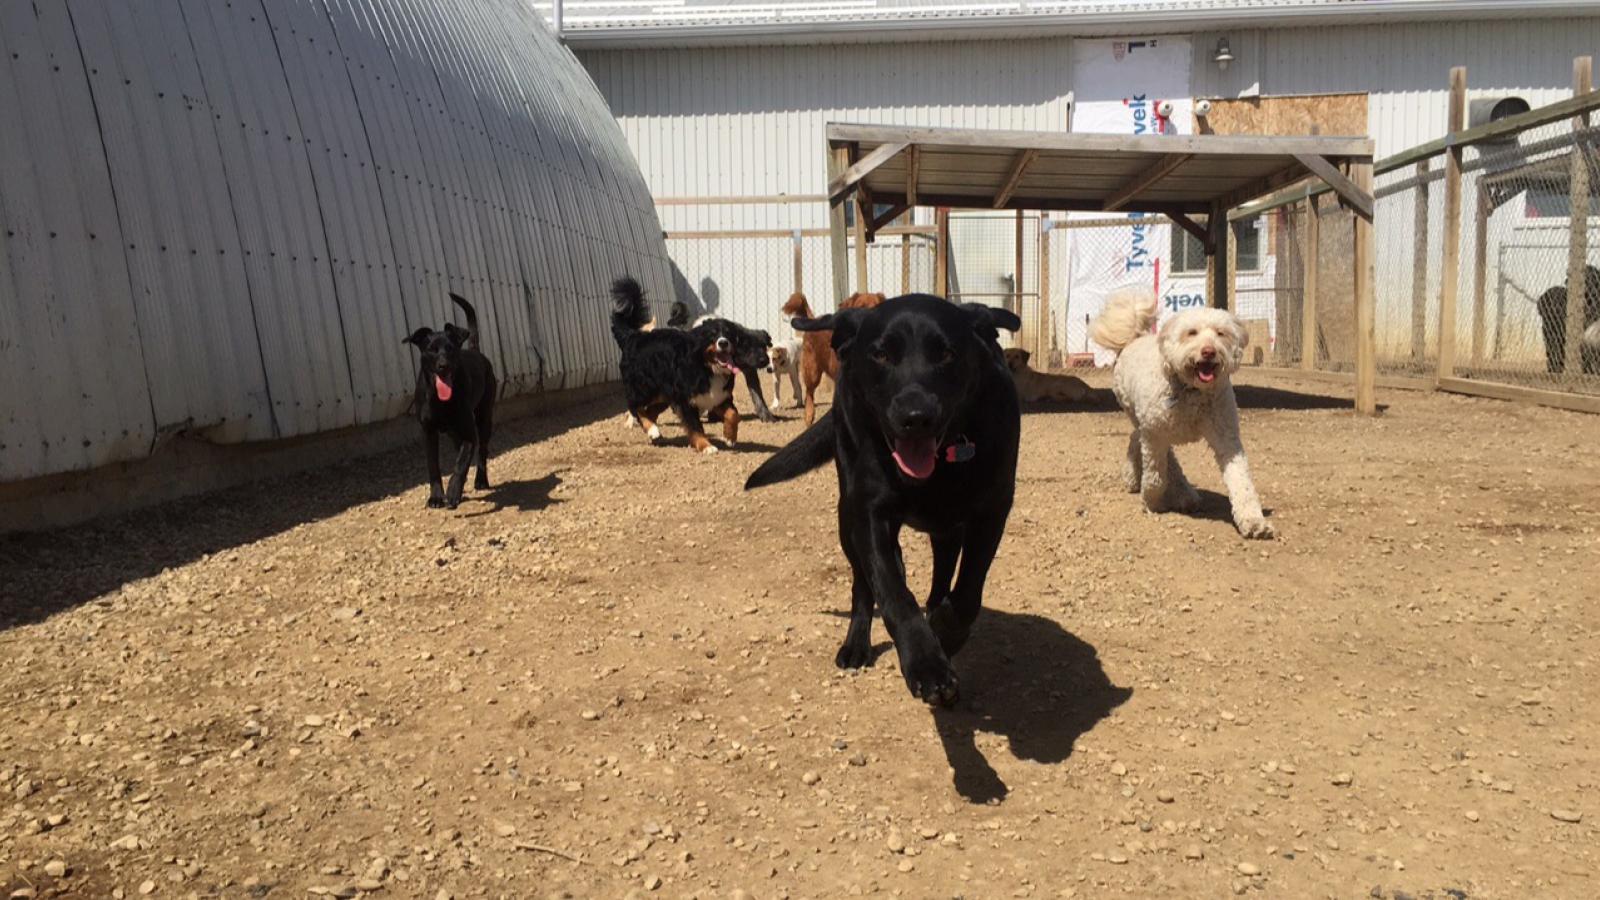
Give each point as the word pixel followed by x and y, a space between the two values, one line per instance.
pixel 455 395
pixel 923 432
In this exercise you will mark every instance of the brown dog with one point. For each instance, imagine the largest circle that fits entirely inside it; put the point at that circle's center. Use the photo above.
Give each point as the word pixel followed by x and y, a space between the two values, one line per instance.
pixel 1033 386
pixel 816 347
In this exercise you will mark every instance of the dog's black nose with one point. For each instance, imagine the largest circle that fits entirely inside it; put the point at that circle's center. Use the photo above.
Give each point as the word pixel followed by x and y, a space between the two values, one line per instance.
pixel 914 414
pixel 1208 352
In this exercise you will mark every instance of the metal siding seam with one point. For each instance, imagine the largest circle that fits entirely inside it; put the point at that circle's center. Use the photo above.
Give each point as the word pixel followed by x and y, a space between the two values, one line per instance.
pixel 91 352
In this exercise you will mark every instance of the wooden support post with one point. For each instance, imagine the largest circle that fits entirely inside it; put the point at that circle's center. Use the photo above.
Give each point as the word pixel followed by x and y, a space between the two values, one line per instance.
pixel 1217 278
pixel 1366 301
pixel 862 212
pixel 799 263
pixel 1017 275
pixel 1044 333
pixel 905 263
pixel 1450 257
pixel 1480 273
pixel 1578 235
pixel 838 241
pixel 1308 295
pixel 941 253
pixel 1419 267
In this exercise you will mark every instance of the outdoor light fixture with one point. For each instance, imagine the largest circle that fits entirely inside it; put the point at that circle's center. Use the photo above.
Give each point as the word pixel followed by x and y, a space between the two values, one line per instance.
pixel 1224 54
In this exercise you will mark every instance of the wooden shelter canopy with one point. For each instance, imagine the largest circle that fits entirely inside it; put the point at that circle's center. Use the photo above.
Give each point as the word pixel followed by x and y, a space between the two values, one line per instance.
pixel 1177 175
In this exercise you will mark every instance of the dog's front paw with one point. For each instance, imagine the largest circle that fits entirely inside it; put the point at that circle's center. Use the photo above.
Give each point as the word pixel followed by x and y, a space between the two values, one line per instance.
pixel 1184 501
pixel 927 670
pixel 436 502
pixel 855 652
pixel 710 449
pixel 947 627
pixel 655 433
pixel 481 483
pixel 1256 529
pixel 796 405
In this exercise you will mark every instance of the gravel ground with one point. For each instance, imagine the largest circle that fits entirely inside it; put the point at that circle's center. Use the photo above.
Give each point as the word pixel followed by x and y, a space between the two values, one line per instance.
pixel 612 675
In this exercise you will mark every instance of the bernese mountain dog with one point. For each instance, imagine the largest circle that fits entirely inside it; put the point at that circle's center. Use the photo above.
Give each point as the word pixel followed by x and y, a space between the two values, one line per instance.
pixel 690 371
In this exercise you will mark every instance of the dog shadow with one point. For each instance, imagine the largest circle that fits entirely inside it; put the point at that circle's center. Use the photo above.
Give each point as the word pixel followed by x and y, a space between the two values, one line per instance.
pixel 527 496
pixel 1252 396
pixel 1031 681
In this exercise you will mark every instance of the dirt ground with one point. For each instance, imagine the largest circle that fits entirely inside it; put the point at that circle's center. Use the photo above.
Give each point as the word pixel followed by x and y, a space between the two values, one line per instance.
pixel 613 675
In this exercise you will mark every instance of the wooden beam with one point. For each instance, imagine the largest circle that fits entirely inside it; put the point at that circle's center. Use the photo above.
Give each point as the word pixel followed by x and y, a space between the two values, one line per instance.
pixel 1480 272
pixel 941 255
pixel 913 164
pixel 1419 269
pixel 800 262
pixel 1212 145
pixel 1043 332
pixel 1288 175
pixel 765 199
pixel 1348 190
pixel 1578 233
pixel 838 240
pixel 1052 203
pixel 1450 262
pixel 1201 233
pixel 1016 269
pixel 1310 252
pixel 1217 278
pixel 881 222
pixel 1019 166
pixel 1588 403
pixel 1365 299
pixel 1499 128
pixel 1145 180
pixel 753 233
pixel 840 186
pixel 1387 382
pixel 863 213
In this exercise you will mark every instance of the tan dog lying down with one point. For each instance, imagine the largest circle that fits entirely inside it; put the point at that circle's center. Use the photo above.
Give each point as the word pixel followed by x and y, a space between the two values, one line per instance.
pixel 1033 386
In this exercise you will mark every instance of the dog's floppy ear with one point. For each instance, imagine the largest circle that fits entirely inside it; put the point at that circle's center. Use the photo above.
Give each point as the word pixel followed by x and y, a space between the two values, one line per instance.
pixel 843 324
pixel 419 337
pixel 992 317
pixel 456 333
pixel 762 338
pixel 1023 355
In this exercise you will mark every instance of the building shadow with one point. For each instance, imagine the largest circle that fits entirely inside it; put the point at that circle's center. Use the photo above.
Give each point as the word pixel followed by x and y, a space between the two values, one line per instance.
pixel 1026 678
pixel 53 571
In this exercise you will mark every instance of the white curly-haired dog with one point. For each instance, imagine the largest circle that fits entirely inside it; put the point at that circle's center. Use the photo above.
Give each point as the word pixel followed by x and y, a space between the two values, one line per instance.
pixel 1174 385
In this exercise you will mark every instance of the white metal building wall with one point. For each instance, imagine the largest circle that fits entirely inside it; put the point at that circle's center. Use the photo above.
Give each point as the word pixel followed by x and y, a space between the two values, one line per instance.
pixel 711 121
pixel 223 218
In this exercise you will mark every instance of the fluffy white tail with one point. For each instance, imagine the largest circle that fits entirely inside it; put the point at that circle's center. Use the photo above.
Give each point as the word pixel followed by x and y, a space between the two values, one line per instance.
pixel 1128 314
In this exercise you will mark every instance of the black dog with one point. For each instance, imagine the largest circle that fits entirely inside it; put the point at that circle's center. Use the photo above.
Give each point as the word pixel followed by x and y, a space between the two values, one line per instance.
pixel 678 315
pixel 690 371
pixel 923 432
pixel 455 394
pixel 1552 306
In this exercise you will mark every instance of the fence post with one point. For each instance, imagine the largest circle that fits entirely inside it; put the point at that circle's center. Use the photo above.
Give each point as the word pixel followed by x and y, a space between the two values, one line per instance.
pixel 1450 274
pixel 1017 276
pixel 838 161
pixel 799 263
pixel 941 253
pixel 1480 273
pixel 1578 236
pixel 1419 267
pixel 1217 278
pixel 1045 333
pixel 1366 301
pixel 1308 292
pixel 905 256
pixel 862 212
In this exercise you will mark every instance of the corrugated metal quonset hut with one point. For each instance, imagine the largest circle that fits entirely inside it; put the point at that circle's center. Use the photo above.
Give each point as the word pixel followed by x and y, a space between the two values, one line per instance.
pixel 220 219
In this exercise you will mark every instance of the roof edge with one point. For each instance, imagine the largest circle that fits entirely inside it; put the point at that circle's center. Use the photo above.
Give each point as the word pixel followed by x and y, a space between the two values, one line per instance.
pixel 1168 21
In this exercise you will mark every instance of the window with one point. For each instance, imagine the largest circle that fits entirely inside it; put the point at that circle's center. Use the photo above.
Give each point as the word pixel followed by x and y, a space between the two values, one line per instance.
pixel 1189 256
pixel 878 209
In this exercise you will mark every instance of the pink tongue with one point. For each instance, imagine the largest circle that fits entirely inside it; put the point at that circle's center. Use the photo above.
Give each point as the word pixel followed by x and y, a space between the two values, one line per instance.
pixel 1205 374
pixel 442 388
pixel 916 457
